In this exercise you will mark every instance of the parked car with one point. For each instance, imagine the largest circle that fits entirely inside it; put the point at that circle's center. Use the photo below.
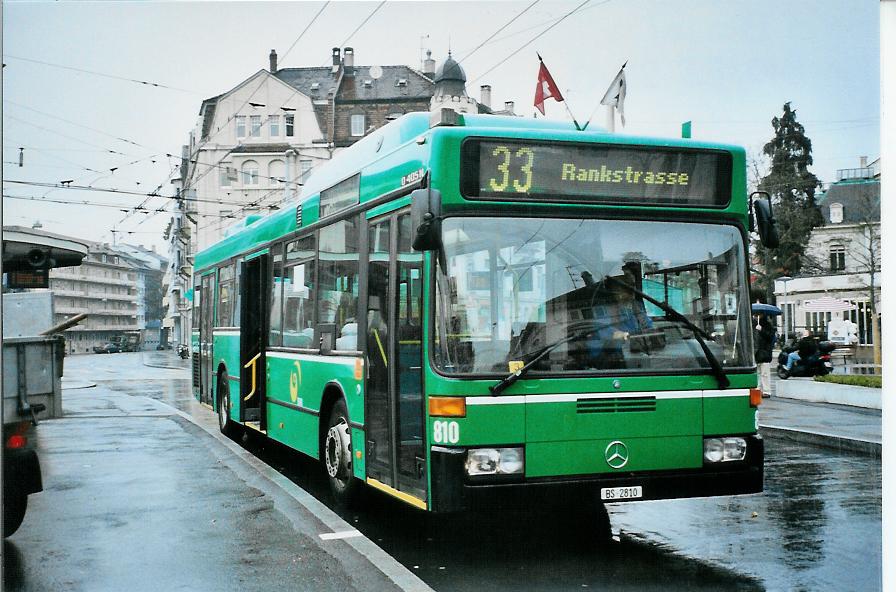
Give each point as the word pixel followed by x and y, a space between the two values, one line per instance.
pixel 107 348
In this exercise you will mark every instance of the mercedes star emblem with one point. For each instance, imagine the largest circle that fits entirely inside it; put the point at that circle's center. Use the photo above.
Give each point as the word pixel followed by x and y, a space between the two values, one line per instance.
pixel 616 454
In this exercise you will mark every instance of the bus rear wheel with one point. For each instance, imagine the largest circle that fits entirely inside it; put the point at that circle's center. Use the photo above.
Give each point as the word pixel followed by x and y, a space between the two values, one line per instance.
pixel 337 456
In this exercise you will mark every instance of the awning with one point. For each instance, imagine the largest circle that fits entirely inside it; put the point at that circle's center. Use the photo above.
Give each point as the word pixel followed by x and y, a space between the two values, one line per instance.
pixel 827 304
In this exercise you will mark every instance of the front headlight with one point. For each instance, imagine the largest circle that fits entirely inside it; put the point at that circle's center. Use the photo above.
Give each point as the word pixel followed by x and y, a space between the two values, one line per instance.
pixel 494 461
pixel 724 449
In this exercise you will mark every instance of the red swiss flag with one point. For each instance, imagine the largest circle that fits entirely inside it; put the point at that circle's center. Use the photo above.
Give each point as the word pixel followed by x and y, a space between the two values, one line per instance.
pixel 546 88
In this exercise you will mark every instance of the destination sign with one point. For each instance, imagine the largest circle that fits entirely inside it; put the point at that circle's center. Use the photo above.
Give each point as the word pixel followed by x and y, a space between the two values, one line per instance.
pixel 596 173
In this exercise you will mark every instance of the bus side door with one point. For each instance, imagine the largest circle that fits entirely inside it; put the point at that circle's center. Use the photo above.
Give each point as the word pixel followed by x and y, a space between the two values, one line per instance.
pixel 394 355
pixel 206 355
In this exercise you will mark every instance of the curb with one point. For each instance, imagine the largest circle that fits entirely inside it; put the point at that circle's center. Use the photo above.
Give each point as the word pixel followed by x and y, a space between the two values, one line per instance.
pixel 385 563
pixel 148 365
pixel 827 440
pixel 77 385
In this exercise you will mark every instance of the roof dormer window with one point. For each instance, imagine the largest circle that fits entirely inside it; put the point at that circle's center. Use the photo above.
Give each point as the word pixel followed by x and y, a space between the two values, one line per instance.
pixel 836 213
pixel 368 83
pixel 315 87
pixel 401 82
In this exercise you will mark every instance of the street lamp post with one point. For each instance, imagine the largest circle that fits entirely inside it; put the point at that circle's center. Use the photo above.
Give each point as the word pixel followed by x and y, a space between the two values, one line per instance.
pixel 785 279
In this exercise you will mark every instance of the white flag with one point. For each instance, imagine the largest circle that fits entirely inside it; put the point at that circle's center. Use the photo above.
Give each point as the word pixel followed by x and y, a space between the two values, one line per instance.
pixel 615 95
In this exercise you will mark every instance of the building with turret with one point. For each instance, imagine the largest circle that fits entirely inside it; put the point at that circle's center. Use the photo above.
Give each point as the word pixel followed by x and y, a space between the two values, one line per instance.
pixel 254 146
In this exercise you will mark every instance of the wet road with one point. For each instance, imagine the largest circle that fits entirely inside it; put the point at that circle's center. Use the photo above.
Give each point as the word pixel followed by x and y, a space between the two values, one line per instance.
pixel 817 526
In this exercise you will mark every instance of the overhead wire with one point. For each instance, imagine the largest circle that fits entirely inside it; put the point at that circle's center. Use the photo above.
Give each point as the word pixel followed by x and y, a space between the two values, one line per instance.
pixel 257 202
pixel 12 117
pixel 504 26
pixel 143 82
pixel 73 202
pixel 93 129
pixel 525 45
pixel 206 140
pixel 151 194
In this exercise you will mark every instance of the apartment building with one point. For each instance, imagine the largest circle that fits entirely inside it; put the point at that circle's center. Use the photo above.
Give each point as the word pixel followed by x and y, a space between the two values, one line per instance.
pixel 105 287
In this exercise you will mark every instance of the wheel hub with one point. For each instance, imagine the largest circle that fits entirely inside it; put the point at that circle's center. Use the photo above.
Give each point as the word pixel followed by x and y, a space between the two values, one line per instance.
pixel 336 457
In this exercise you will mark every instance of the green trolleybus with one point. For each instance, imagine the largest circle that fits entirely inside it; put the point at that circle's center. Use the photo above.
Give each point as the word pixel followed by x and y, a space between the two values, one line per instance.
pixel 463 306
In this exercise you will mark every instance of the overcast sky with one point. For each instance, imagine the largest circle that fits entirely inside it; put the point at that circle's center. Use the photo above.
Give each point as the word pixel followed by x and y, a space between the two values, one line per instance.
pixel 727 66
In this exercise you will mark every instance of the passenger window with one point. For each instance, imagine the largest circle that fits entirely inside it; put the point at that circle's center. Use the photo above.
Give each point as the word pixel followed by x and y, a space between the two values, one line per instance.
pixel 225 296
pixel 276 295
pixel 298 303
pixel 337 302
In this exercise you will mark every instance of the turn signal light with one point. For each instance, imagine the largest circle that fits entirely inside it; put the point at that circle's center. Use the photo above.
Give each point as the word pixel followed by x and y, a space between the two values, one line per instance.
pixel 755 397
pixel 448 406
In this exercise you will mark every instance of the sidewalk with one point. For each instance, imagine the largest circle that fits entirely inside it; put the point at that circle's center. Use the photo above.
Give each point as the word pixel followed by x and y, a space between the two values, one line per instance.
pixel 165 359
pixel 141 496
pixel 836 426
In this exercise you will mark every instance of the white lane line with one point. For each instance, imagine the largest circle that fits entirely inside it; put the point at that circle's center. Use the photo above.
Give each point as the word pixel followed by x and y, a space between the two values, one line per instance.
pixel 345 534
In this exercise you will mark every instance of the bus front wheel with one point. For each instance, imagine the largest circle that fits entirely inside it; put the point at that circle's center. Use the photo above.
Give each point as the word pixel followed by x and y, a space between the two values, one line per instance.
pixel 224 423
pixel 337 456
pixel 14 507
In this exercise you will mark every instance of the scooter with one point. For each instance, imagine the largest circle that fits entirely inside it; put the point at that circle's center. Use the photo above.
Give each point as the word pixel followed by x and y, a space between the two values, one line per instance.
pixel 183 351
pixel 818 364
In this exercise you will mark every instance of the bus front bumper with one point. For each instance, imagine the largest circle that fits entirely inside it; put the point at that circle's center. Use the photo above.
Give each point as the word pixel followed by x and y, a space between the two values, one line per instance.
pixel 453 491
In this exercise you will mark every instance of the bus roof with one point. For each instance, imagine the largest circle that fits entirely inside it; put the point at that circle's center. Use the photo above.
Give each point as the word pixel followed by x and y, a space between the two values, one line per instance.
pixel 255 231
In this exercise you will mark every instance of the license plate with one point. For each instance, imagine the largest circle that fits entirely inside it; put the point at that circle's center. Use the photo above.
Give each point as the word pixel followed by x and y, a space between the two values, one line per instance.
pixel 620 493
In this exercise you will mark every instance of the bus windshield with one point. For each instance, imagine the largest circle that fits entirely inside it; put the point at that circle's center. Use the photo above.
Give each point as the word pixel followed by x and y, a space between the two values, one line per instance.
pixel 511 288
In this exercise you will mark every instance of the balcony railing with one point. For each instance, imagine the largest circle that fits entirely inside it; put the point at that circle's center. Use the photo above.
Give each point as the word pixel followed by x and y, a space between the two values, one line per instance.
pixel 854 174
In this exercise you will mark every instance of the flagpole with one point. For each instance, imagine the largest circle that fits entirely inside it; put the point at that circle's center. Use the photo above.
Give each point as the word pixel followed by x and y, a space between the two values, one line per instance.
pixel 576 123
pixel 558 96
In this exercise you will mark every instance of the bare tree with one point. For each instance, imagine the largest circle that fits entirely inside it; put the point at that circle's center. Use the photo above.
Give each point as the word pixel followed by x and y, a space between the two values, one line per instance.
pixel 867 254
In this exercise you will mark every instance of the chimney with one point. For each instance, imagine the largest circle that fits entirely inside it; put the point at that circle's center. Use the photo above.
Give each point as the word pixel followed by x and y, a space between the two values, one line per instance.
pixel 485 95
pixel 336 59
pixel 348 57
pixel 863 162
pixel 429 64
pixel 273 58
pixel 508 106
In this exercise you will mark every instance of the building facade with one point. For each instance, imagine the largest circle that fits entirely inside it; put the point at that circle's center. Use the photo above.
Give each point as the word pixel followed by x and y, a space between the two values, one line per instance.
pixel 150 268
pixel 254 146
pixel 842 260
pixel 105 287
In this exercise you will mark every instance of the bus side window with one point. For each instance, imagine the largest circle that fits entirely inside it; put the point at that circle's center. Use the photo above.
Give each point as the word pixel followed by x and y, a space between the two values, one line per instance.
pixel 225 296
pixel 197 295
pixel 337 301
pixel 276 296
pixel 299 293
pixel 236 294
pixel 298 306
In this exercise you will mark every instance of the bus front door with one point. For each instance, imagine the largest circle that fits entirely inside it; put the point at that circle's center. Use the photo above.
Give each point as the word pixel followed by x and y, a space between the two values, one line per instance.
pixel 206 322
pixel 395 413
pixel 254 318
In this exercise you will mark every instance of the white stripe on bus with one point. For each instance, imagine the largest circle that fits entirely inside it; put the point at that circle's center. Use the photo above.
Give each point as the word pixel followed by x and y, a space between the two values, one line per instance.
pixel 573 397
pixel 348 361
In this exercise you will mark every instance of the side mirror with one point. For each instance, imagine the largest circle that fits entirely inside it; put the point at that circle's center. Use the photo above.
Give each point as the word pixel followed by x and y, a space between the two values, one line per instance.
pixel 426 212
pixel 765 221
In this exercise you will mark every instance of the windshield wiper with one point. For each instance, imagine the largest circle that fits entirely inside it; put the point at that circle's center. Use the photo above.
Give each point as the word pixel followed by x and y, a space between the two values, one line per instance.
pixel 699 333
pixel 514 376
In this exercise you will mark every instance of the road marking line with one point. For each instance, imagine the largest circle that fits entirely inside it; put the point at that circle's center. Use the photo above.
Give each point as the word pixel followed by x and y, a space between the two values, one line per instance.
pixel 345 534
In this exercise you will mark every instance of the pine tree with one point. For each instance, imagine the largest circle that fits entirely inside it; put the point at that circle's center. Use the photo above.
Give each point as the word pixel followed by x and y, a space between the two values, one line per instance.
pixel 792 188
